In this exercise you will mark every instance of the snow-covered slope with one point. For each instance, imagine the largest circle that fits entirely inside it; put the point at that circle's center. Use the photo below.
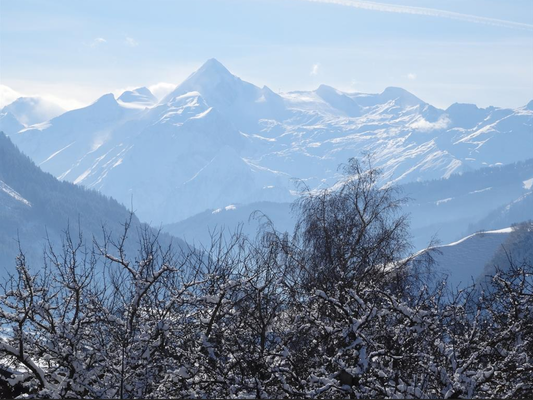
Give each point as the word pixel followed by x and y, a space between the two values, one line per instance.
pixel 463 262
pixel 217 140
pixel 227 169
pixel 10 197
pixel 9 123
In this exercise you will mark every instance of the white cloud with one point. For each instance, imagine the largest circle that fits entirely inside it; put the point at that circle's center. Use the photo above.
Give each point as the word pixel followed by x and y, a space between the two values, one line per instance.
pixel 43 105
pixel 65 103
pixel 97 42
pixel 411 76
pixel 161 89
pixel 8 95
pixel 131 42
pixel 314 69
pixel 36 109
pixel 71 96
pixel 67 95
pixel 423 125
pixel 117 92
pixel 432 12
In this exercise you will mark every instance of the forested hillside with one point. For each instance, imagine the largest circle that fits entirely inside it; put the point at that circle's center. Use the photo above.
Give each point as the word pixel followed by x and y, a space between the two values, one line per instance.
pixel 35 206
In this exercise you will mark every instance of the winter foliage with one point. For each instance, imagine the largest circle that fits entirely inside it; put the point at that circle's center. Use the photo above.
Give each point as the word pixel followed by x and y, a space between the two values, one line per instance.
pixel 338 309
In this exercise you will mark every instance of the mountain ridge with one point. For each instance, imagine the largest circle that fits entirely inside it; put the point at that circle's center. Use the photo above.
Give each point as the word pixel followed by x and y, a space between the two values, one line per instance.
pixel 149 152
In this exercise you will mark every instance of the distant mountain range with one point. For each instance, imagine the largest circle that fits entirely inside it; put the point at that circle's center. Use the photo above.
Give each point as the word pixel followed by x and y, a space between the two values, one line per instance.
pixel 35 206
pixel 217 140
pixel 489 198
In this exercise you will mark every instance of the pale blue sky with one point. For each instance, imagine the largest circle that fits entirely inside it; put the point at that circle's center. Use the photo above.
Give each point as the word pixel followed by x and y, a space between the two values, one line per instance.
pixel 77 51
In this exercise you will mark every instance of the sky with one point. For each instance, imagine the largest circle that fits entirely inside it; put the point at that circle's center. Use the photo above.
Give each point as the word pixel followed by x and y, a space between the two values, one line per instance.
pixel 443 51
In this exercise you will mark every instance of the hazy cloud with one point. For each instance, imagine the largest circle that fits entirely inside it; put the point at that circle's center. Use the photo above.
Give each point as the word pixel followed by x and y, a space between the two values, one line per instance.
pixel 426 126
pixel 98 41
pixel 411 76
pixel 432 12
pixel 161 89
pixel 67 95
pixel 314 69
pixel 8 95
pixel 131 42
pixel 64 103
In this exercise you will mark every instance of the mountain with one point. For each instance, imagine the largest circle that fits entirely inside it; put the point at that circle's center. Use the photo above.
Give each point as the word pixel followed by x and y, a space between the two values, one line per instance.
pixel 27 111
pixel 34 205
pixel 218 140
pixel 243 103
pixel 218 86
pixel 33 110
pixel 467 115
pixel 339 101
pixel 116 149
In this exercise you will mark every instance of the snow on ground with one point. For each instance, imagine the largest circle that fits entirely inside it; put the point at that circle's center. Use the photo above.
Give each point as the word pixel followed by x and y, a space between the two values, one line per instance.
pixel 7 189
pixel 463 261
pixel 480 191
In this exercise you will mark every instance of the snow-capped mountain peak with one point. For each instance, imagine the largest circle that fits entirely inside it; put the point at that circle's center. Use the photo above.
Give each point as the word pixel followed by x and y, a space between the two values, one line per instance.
pixel 141 97
pixel 107 99
pixel 338 100
pixel 219 86
pixel 105 108
pixel 212 68
pixel 402 96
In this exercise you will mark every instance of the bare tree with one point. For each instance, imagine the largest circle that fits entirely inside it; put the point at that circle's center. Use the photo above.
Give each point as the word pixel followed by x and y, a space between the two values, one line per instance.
pixel 335 310
pixel 353 231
